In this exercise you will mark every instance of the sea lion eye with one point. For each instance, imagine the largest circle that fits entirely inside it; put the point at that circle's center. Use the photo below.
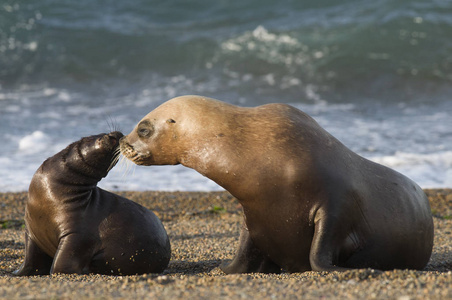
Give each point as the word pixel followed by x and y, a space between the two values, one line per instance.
pixel 144 129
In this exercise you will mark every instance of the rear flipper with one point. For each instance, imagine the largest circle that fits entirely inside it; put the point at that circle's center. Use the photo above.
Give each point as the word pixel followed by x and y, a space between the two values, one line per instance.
pixel 249 258
pixel 36 261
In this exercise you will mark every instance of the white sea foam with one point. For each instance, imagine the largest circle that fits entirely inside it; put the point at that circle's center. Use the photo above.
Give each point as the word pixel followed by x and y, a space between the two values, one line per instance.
pixel 428 170
pixel 161 178
pixel 411 139
pixel 15 175
pixel 34 143
pixel 268 46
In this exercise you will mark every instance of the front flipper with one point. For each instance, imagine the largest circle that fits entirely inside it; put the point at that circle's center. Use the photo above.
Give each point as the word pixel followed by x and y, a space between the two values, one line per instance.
pixel 325 245
pixel 249 258
pixel 73 256
pixel 36 262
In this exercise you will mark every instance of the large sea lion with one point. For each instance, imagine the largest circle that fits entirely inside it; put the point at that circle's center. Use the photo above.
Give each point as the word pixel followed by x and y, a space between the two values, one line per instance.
pixel 309 202
pixel 72 226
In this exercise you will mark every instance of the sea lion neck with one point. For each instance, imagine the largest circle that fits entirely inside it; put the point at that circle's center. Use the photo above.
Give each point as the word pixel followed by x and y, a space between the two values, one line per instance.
pixel 67 179
pixel 203 154
pixel 74 170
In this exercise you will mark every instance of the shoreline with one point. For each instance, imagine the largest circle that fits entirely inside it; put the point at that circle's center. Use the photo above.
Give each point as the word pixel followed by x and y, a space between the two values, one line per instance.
pixel 203 228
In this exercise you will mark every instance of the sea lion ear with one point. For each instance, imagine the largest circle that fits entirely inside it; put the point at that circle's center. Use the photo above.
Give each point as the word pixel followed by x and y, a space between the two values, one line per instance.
pixel 170 121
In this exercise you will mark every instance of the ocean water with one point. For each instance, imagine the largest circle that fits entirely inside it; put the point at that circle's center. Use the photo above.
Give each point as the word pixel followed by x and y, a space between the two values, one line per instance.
pixel 377 75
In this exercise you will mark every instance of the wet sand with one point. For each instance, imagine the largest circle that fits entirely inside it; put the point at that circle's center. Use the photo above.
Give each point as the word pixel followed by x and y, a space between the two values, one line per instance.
pixel 204 230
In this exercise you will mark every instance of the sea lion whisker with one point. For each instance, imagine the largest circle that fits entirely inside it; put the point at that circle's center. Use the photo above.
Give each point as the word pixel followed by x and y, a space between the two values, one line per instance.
pixel 121 162
pixel 117 152
pixel 113 162
pixel 132 167
pixel 128 171
pixel 112 123
pixel 124 163
pixel 125 166
pixel 109 122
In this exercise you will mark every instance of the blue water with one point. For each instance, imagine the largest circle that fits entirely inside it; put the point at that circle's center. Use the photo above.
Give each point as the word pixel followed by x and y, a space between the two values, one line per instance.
pixel 377 75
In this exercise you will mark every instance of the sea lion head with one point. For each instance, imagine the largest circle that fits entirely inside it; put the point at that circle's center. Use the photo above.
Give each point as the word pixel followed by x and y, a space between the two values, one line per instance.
pixel 154 141
pixel 93 156
pixel 176 131
pixel 163 135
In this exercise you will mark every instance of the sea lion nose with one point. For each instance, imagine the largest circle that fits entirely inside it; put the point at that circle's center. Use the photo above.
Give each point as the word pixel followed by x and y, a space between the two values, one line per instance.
pixel 117 135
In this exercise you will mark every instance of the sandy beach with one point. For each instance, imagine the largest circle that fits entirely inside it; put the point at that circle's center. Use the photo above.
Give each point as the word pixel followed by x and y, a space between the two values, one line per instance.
pixel 204 230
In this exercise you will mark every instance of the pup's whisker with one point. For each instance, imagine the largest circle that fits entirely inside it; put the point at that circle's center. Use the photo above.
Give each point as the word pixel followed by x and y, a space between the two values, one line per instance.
pixel 114 160
pixel 112 123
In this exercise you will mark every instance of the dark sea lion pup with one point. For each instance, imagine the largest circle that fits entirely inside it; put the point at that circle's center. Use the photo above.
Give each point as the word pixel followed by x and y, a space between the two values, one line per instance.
pixel 72 226
pixel 310 203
